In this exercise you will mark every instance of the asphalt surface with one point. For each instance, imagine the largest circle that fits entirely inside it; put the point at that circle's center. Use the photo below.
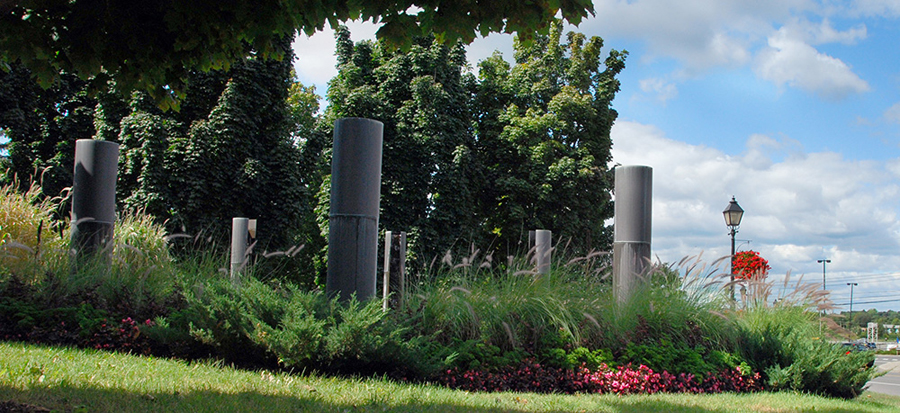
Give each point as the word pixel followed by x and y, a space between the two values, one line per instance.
pixel 890 382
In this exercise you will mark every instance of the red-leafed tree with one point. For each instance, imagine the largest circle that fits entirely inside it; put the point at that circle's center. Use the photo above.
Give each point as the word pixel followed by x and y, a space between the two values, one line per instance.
pixel 749 265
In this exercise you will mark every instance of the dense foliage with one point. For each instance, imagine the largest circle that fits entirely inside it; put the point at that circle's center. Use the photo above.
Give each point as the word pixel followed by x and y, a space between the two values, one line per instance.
pixel 155 46
pixel 234 157
pixel 466 161
pixel 543 132
pixel 42 126
pixel 484 161
pixel 230 151
pixel 422 96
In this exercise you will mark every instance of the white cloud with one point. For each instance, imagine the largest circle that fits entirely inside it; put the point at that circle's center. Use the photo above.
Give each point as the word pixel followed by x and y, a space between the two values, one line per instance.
pixel 484 47
pixel 789 60
pixel 884 8
pixel 824 32
pixel 662 89
pixel 702 35
pixel 797 208
pixel 892 114
pixel 698 34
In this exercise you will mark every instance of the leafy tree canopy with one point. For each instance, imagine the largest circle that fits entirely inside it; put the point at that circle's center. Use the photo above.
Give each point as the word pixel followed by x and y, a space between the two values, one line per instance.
pixel 153 45
pixel 524 146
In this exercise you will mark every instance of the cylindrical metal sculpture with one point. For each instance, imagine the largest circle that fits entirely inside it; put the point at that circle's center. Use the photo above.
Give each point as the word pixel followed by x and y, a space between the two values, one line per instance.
pixel 394 281
pixel 355 197
pixel 543 245
pixel 239 232
pixel 631 243
pixel 94 196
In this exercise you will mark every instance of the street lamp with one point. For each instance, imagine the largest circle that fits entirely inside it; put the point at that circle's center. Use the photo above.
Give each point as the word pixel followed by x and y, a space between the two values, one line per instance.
pixel 733 214
pixel 850 323
pixel 823 262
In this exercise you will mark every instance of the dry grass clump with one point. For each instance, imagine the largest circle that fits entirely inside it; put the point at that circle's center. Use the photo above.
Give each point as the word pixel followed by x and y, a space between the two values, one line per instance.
pixel 29 238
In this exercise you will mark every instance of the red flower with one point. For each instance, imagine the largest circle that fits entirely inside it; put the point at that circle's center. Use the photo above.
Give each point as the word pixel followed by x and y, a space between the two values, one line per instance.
pixel 749 265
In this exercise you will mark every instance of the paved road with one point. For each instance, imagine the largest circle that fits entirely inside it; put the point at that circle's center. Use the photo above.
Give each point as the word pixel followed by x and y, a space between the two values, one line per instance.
pixel 890 382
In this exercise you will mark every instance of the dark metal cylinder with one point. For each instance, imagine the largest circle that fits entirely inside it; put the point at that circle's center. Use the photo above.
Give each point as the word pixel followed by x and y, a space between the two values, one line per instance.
pixel 94 195
pixel 355 200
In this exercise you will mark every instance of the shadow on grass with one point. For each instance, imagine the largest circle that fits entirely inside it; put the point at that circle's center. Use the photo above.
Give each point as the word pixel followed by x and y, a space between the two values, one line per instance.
pixel 76 399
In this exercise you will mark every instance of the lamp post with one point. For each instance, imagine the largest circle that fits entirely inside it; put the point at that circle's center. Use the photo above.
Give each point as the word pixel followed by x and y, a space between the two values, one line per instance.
pixel 733 214
pixel 850 323
pixel 823 262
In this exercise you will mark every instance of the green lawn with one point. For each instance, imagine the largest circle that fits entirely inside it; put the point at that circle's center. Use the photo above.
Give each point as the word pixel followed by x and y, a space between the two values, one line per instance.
pixel 91 381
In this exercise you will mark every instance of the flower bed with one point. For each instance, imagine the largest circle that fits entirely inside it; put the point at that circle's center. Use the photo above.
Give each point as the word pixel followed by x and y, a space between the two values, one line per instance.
pixel 530 376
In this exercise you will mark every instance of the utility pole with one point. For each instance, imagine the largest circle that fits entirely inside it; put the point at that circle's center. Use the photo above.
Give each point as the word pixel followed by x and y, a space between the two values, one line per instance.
pixel 850 324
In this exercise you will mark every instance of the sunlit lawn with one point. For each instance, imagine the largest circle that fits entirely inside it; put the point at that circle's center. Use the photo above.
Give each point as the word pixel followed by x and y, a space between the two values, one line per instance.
pixel 78 380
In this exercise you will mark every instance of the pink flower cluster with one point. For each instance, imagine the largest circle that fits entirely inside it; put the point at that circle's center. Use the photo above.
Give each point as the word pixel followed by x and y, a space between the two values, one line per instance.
pixel 531 376
pixel 643 380
pixel 126 336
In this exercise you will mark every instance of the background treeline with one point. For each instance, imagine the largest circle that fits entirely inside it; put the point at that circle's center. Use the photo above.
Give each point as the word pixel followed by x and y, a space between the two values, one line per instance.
pixel 467 160
pixel 859 320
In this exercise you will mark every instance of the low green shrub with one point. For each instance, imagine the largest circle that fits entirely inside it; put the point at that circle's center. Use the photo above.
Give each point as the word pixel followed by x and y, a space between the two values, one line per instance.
pixel 478 355
pixel 781 342
pixel 578 357
pixel 25 317
pixel 664 356
pixel 272 323
pixel 822 368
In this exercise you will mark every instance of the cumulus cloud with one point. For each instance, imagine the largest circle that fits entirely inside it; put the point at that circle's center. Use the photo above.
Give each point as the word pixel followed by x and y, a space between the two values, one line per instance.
pixel 798 205
pixel 662 90
pixel 704 35
pixel 824 32
pixel 699 35
pixel 789 60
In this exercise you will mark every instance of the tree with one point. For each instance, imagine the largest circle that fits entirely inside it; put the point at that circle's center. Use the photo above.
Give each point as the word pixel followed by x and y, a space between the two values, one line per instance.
pixel 42 126
pixel 543 134
pixel 469 161
pixel 232 149
pixel 422 96
pixel 154 45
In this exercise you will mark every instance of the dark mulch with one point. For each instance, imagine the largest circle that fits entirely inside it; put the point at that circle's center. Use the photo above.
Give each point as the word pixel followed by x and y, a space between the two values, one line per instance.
pixel 14 407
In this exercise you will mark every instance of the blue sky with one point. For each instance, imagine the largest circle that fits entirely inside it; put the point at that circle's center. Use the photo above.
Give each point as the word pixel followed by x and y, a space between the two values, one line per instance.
pixel 792 106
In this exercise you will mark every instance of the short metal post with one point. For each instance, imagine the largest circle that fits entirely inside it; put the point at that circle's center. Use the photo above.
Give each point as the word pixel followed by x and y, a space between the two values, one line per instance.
pixel 543 244
pixel 239 232
pixel 355 198
pixel 94 197
pixel 631 245
pixel 394 280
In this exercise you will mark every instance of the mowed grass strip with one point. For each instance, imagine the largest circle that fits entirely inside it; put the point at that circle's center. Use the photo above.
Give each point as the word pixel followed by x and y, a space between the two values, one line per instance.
pixel 67 379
